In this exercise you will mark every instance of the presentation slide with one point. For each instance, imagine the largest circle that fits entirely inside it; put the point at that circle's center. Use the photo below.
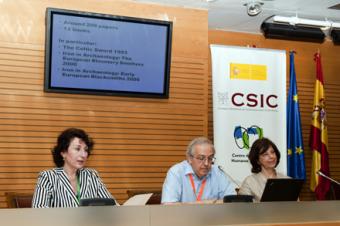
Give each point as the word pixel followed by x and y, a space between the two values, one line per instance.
pixel 107 55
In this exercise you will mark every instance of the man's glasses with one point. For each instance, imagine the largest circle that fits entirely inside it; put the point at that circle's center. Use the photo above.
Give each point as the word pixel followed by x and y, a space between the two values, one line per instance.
pixel 202 159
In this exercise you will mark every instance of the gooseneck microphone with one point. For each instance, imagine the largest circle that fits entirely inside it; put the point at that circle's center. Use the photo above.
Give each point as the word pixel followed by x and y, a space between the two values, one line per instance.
pixel 232 179
pixel 327 177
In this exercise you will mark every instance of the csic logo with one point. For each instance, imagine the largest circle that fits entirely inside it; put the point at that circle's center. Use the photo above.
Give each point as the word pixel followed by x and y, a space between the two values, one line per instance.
pixel 244 137
pixel 254 100
pixel 222 98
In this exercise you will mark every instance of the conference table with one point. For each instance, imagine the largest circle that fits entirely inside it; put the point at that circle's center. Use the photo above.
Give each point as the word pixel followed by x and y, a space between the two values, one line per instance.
pixel 270 213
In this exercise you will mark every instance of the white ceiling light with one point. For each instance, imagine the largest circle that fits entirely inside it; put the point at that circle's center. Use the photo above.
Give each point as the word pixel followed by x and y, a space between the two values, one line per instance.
pixel 254 7
pixel 299 21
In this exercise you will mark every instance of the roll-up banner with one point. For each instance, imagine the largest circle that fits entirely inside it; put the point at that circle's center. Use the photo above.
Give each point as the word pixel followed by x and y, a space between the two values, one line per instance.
pixel 249 102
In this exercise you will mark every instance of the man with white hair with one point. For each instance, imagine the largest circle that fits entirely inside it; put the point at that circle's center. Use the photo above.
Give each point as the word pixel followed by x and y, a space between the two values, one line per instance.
pixel 197 179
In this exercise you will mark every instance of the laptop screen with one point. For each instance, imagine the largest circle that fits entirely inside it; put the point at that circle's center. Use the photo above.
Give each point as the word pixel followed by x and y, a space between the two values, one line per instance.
pixel 282 189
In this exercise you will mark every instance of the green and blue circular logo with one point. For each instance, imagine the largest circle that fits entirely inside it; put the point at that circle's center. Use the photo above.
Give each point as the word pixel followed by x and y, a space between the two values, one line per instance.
pixel 244 137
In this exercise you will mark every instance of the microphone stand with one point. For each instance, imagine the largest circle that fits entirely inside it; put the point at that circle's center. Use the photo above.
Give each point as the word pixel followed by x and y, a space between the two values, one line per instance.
pixel 328 178
pixel 335 190
pixel 232 179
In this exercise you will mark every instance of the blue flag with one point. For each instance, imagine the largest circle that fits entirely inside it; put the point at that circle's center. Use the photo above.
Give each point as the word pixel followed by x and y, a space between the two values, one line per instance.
pixel 295 155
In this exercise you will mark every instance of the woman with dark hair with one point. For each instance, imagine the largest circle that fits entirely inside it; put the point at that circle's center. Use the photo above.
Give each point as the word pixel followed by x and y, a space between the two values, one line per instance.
pixel 264 156
pixel 65 185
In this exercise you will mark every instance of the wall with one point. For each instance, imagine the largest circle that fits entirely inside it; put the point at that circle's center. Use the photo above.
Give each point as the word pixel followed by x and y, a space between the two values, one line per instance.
pixel 305 73
pixel 137 139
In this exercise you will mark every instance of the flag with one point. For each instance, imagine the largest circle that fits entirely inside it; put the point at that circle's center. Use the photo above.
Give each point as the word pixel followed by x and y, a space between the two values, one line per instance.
pixel 295 155
pixel 318 137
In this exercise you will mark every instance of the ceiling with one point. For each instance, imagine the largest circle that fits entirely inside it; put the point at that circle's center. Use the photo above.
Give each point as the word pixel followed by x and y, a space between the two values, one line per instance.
pixel 231 15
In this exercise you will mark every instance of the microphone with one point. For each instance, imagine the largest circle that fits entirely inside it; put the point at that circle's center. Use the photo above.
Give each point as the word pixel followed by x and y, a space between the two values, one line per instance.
pixel 232 179
pixel 327 177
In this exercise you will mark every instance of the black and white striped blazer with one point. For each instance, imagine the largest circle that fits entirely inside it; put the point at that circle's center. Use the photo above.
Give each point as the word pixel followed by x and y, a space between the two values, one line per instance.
pixel 54 189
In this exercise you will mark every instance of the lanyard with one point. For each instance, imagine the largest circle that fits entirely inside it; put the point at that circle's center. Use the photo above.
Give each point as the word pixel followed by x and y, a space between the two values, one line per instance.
pixel 78 189
pixel 198 198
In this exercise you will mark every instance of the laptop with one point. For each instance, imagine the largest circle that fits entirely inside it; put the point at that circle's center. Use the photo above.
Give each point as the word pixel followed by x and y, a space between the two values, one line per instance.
pixel 97 202
pixel 282 189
